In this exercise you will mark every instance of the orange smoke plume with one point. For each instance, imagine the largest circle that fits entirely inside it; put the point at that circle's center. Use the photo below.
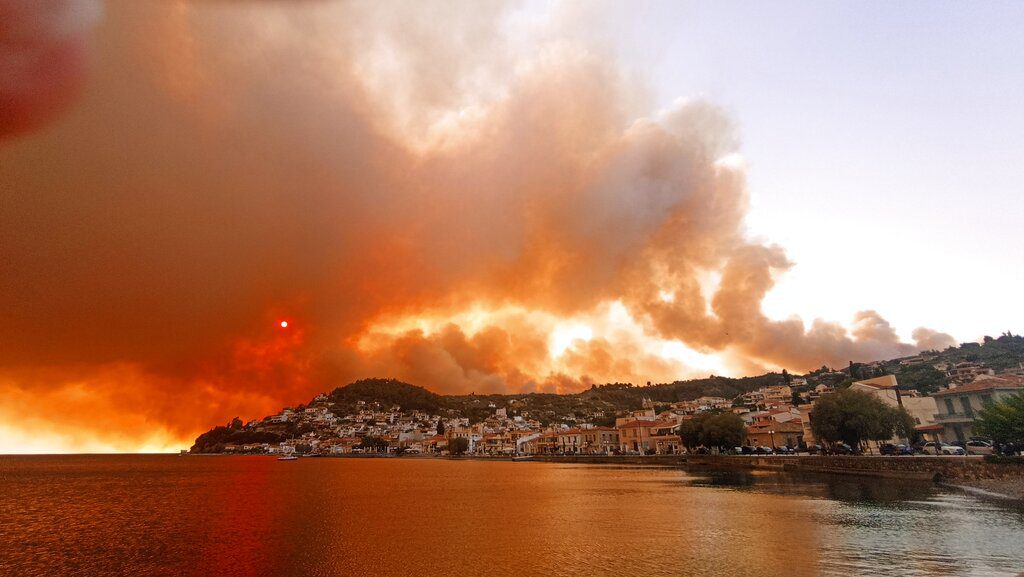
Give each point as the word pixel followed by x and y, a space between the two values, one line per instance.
pixel 417 199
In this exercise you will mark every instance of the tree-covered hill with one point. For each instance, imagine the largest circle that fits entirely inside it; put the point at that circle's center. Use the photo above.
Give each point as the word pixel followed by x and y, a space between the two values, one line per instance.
pixel 386 392
pixel 999 353
pixel 629 396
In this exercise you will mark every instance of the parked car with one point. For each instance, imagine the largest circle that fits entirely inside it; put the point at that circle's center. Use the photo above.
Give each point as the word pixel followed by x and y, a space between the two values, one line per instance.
pixel 893 449
pixel 979 447
pixel 746 450
pixel 840 449
pixel 953 450
pixel 785 451
pixel 934 448
pixel 814 449
pixel 763 451
pixel 1010 449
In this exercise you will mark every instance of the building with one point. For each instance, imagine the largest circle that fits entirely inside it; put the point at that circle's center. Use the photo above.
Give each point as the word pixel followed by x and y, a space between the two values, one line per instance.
pixel 957 407
pixel 701 405
pixel 497 444
pixel 598 440
pixel 569 441
pixel 771 415
pixel 768 396
pixel 775 434
pixel 1016 371
pixel 886 388
pixel 547 443
pixel 805 422
pixel 644 436
pixel 527 444
pixel 966 372
pixel 588 441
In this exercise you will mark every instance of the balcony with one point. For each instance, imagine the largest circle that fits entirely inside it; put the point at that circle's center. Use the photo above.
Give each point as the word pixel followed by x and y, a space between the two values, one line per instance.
pixel 954 418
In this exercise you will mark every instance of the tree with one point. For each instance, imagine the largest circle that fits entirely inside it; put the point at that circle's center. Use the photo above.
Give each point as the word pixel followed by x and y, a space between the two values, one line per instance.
pixel 689 432
pixel 374 444
pixel 902 425
pixel 796 399
pixel 440 427
pixel 922 377
pixel 458 445
pixel 854 416
pixel 722 430
pixel 712 430
pixel 1003 421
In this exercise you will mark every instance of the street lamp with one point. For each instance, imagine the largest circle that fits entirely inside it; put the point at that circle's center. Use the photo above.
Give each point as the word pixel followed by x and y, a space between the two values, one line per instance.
pixel 772 433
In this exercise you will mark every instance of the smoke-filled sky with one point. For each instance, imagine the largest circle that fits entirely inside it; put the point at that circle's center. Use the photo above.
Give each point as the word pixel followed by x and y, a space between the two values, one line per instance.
pixel 474 197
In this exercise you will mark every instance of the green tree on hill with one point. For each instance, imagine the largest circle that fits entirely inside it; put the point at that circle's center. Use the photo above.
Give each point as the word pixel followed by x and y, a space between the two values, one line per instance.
pixel 923 377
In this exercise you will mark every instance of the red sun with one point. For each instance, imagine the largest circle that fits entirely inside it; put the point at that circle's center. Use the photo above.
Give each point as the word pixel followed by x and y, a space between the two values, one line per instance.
pixel 284 324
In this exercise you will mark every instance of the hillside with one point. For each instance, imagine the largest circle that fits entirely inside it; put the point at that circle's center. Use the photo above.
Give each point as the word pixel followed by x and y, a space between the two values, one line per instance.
pixel 600 404
pixel 926 371
pixel 387 392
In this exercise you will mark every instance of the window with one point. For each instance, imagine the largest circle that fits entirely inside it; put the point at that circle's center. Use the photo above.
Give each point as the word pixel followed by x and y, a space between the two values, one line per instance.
pixel 966 403
pixel 986 399
pixel 949 407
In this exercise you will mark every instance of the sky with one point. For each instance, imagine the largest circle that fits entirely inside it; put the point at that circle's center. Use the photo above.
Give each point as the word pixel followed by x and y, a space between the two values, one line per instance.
pixel 485 198
pixel 882 142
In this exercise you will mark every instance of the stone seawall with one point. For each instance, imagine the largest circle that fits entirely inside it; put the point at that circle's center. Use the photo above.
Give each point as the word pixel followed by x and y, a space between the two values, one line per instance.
pixel 924 468
pixel 948 469
pixel 660 460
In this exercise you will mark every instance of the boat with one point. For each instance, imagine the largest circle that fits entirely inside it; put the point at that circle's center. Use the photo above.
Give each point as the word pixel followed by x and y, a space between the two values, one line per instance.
pixel 288 458
pixel 523 458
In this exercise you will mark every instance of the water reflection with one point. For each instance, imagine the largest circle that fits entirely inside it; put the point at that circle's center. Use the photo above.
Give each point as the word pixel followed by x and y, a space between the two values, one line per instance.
pixel 851 489
pixel 894 527
pixel 157 515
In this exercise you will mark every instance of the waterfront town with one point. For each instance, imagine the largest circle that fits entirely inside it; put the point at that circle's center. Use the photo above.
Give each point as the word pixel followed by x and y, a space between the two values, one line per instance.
pixel 775 419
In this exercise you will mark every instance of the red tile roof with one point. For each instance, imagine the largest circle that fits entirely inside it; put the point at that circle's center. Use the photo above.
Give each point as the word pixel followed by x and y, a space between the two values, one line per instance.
pixel 792 425
pixel 636 424
pixel 991 383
